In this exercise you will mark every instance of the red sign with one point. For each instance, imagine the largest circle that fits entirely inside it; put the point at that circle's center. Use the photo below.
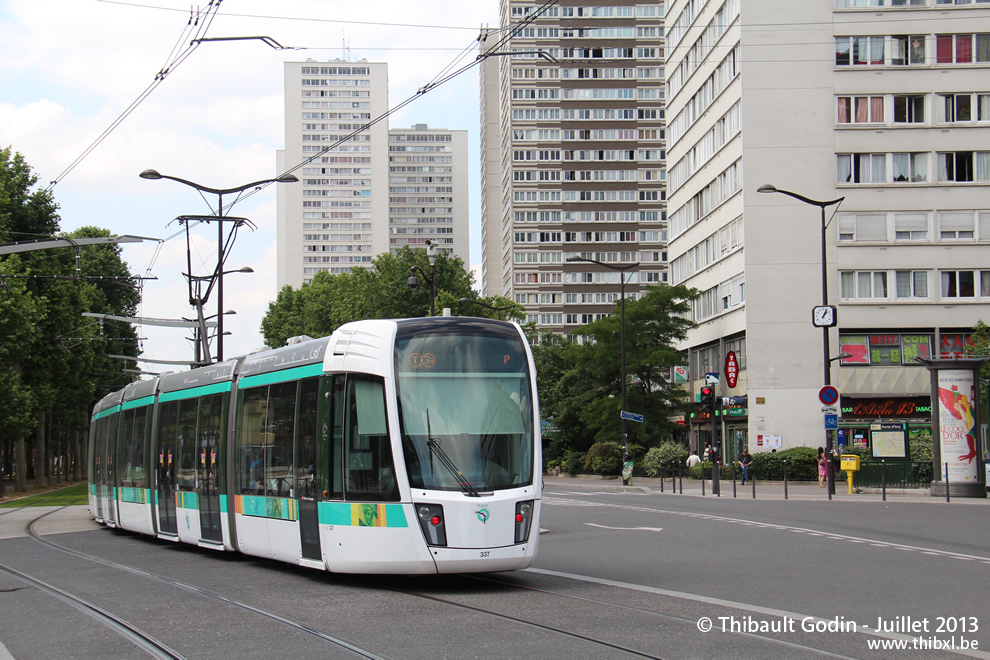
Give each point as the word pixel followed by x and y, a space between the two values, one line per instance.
pixel 731 369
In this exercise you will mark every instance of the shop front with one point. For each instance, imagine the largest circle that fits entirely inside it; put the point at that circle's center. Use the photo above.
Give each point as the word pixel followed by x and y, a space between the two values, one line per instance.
pixel 879 423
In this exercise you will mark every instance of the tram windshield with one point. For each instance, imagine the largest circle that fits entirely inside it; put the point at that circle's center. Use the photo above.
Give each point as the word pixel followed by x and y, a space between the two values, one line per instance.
pixel 465 406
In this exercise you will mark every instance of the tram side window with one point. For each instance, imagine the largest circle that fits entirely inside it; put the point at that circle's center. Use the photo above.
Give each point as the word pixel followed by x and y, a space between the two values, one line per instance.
pixel 370 470
pixel 186 440
pixel 265 431
pixel 252 440
pixel 306 435
pixel 208 440
pixel 282 415
pixel 167 418
pixel 125 448
pixel 134 429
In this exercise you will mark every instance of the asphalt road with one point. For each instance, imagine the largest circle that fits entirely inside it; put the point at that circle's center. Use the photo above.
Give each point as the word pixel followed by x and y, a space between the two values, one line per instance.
pixel 622 572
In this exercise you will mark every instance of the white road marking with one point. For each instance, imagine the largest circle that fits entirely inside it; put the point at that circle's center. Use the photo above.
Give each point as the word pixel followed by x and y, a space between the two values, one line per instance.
pixel 631 529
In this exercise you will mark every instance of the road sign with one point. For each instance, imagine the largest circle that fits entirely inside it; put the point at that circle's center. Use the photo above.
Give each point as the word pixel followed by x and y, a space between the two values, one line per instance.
pixel 831 422
pixel 711 378
pixel 828 395
pixel 830 410
pixel 631 416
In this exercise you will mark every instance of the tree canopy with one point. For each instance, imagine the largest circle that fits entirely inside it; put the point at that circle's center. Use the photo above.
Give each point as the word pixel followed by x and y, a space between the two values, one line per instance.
pixel 378 292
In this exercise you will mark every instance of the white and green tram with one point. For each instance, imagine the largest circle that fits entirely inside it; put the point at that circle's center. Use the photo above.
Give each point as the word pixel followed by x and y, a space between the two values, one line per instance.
pixel 391 446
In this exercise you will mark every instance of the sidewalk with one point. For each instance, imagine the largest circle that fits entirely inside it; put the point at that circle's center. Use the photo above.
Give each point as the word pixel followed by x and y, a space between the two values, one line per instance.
pixel 765 490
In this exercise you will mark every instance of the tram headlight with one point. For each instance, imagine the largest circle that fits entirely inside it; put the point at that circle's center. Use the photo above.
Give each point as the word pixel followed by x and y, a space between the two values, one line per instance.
pixel 524 520
pixel 431 522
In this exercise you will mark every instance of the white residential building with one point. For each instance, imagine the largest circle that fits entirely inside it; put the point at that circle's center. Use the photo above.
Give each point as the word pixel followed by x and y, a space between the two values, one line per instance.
pixel 885 103
pixel 572 156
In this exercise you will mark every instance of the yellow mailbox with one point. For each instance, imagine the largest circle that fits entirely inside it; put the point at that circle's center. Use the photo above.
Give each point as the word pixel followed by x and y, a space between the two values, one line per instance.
pixel 849 463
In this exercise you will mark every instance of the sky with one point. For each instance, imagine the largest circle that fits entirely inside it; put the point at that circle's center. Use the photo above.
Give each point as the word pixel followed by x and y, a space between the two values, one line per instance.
pixel 70 68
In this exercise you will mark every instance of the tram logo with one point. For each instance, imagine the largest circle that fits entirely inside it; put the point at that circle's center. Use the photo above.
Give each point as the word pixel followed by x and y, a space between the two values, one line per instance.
pixel 483 515
pixel 427 360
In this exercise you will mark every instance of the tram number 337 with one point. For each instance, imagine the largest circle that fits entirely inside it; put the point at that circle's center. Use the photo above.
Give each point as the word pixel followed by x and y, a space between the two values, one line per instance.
pixel 485 553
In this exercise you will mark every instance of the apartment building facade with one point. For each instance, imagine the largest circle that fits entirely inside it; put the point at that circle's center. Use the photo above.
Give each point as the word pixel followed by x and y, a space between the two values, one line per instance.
pixel 882 104
pixel 573 157
pixel 362 191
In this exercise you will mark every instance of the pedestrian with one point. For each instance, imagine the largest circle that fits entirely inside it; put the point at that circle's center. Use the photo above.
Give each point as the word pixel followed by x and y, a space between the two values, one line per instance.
pixel 693 460
pixel 821 467
pixel 708 452
pixel 745 463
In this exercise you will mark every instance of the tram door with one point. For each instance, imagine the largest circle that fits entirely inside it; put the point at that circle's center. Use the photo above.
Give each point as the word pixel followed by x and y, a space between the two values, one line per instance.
pixel 165 467
pixel 110 449
pixel 207 465
pixel 97 468
pixel 313 419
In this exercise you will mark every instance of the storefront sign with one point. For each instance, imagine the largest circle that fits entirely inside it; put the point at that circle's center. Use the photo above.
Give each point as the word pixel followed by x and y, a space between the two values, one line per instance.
pixel 894 407
pixel 731 369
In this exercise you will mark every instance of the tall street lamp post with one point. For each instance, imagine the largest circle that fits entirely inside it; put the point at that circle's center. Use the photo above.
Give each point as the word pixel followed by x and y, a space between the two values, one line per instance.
pixel 413 281
pixel 622 343
pixel 219 272
pixel 829 318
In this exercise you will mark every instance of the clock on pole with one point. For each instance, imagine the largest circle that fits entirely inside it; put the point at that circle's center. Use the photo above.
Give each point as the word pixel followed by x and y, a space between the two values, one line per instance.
pixel 824 316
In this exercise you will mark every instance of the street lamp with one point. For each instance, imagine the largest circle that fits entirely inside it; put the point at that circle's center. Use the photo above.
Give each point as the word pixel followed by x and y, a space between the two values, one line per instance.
pixel 497 310
pixel 413 281
pixel 622 342
pixel 767 188
pixel 221 249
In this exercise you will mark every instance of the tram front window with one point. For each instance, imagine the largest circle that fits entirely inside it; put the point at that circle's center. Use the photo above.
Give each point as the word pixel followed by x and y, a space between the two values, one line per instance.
pixel 465 411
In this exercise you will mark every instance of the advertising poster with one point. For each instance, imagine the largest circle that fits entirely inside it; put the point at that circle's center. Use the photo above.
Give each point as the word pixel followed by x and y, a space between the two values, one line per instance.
pixel 957 426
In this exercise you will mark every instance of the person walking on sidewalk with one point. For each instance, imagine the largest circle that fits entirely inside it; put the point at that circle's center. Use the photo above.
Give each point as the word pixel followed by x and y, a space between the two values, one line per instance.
pixel 746 462
pixel 821 467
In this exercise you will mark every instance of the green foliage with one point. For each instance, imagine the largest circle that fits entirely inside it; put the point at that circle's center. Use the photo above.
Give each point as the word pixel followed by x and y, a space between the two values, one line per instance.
pixel 920 445
pixel 573 462
pixel 636 453
pixel 581 392
pixel 981 346
pixel 378 292
pixel 604 458
pixel 663 456
pixel 802 465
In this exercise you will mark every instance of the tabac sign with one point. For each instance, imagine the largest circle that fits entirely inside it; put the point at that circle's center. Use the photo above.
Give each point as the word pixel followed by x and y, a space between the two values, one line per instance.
pixel 731 369
pixel 890 407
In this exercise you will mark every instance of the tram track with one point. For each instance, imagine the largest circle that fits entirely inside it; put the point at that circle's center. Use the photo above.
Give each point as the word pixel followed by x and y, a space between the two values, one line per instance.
pixel 336 641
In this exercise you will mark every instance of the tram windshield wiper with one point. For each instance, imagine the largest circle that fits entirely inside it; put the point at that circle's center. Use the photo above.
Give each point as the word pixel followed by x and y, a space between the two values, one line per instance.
pixel 435 448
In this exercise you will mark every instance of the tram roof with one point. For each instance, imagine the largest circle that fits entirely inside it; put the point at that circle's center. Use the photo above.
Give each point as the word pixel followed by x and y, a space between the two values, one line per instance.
pixel 140 389
pixel 184 380
pixel 287 357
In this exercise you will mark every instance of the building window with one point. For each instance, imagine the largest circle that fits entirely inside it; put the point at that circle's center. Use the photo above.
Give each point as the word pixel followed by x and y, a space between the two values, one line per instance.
pixel 864 284
pixel 958 283
pixel 911 226
pixel 861 227
pixel 909 109
pixel 861 168
pixel 959 48
pixel 910 167
pixel 955 225
pixel 912 283
pixel 860 109
pixel 964 166
pixel 858 50
pixel 908 49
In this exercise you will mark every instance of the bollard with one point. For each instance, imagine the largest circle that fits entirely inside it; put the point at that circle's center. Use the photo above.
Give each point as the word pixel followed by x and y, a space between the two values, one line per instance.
pixel 785 479
pixel 753 483
pixel 680 479
pixel 733 481
pixel 661 476
pixel 702 481
pixel 883 478
pixel 946 482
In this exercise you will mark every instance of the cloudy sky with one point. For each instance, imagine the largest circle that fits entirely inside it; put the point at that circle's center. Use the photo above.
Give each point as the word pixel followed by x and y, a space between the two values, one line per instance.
pixel 70 68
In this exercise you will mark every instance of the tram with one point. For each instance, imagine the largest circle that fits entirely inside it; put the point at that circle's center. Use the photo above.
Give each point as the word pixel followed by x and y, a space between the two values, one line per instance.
pixel 392 446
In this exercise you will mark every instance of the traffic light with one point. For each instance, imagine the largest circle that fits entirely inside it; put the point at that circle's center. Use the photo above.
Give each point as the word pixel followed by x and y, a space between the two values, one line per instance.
pixel 708 400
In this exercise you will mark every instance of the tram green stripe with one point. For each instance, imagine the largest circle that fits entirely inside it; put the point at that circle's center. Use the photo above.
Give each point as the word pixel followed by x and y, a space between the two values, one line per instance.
pixel 203 390
pixel 223 504
pixel 137 403
pixel 137 495
pixel 104 413
pixel 280 508
pixel 187 500
pixel 360 514
pixel 296 373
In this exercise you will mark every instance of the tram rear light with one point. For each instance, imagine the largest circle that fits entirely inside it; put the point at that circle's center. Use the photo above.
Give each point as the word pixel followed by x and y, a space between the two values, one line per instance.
pixel 431 522
pixel 524 520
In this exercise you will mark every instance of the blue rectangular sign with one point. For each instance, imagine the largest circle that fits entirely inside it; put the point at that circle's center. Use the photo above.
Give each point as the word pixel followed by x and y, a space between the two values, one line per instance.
pixel 831 422
pixel 631 416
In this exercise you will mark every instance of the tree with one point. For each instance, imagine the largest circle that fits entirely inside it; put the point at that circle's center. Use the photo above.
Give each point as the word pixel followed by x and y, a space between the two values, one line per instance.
pixel 378 292
pixel 590 402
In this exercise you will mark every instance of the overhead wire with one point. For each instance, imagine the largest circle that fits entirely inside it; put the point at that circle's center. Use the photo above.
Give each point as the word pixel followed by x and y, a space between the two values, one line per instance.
pixel 170 66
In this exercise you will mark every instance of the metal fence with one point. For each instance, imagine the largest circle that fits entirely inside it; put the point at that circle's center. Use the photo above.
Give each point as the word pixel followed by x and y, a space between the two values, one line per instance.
pixel 899 474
